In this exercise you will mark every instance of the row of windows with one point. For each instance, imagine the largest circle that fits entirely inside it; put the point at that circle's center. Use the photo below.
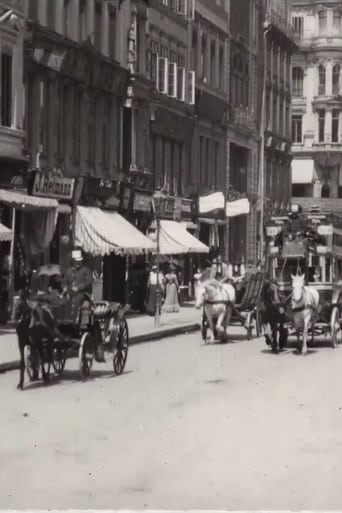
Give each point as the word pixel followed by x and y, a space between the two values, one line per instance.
pixel 208 59
pixel 297 126
pixel 182 7
pixel 298 79
pixel 326 24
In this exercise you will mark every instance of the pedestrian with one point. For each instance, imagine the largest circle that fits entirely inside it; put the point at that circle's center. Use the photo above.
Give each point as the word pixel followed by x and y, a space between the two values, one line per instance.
pixel 152 285
pixel 172 288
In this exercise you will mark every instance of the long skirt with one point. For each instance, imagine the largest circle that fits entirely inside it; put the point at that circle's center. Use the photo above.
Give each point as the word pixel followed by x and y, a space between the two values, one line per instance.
pixel 151 302
pixel 171 300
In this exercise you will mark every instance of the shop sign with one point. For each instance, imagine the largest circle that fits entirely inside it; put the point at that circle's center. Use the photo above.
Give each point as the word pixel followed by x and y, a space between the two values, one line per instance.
pixel 167 207
pixel 211 203
pixel 142 202
pixel 53 186
pixel 100 187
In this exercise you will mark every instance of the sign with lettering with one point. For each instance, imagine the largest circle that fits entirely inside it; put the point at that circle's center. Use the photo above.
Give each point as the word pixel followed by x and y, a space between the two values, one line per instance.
pixel 53 186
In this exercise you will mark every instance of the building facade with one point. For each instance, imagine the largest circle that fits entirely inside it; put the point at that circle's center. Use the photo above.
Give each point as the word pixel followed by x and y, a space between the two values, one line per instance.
pixel 317 106
pixel 280 42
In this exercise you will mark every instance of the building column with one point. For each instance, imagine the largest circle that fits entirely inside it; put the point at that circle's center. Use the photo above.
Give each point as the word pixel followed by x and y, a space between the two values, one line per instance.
pixel 217 61
pixel 199 50
pixel 207 72
pixel 340 127
pixel 327 126
pixel 75 14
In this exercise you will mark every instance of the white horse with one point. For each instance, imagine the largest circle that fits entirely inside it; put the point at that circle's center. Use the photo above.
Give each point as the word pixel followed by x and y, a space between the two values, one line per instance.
pixel 218 300
pixel 304 304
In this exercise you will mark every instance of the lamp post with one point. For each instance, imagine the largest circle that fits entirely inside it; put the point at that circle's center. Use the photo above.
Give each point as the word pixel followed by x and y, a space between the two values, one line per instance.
pixel 157 200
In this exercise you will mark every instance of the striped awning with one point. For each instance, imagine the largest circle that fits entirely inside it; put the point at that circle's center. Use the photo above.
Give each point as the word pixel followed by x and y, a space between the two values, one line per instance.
pixel 5 233
pixel 25 202
pixel 101 232
pixel 176 240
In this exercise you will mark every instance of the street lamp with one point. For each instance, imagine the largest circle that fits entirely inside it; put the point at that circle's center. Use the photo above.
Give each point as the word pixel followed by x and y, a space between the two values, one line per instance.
pixel 157 202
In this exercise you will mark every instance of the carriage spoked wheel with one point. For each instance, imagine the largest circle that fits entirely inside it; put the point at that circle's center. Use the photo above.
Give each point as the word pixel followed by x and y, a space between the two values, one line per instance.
pixel 335 327
pixel 86 355
pixel 31 358
pixel 121 348
pixel 58 360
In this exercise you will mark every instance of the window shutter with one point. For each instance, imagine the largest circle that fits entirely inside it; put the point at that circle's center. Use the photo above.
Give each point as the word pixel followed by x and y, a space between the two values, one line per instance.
pixel 191 87
pixel 182 7
pixel 172 78
pixel 181 84
pixel 162 73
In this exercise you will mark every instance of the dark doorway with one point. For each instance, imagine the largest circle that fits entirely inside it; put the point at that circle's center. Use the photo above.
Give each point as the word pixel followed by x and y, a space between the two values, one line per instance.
pixel 114 278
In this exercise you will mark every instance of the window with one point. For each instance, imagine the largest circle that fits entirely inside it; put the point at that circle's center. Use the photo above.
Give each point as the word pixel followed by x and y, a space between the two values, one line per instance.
pixel 334 125
pixel 321 125
pixel 298 25
pixel 77 124
pixel 336 22
pixel 297 81
pixel 191 87
pixel 216 163
pixel 98 26
pixel 181 84
pixel 154 47
pixel 297 121
pixel 82 20
pixel 212 63
pixel 162 75
pixel 6 89
pixel 203 63
pixel 336 79
pixel 325 191
pixel 112 35
pixel 172 78
pixel 321 79
pixel 221 68
pixel 322 22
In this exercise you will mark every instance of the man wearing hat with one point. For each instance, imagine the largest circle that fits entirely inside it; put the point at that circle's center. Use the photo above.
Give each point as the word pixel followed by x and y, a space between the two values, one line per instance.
pixel 78 280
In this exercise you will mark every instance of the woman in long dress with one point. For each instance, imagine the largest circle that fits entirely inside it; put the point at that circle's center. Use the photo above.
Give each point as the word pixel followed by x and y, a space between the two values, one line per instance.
pixel 171 303
pixel 152 290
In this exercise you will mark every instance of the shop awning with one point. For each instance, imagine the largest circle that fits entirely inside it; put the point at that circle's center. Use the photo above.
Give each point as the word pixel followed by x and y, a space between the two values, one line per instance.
pixel 5 233
pixel 237 208
pixel 101 232
pixel 176 240
pixel 26 202
pixel 302 171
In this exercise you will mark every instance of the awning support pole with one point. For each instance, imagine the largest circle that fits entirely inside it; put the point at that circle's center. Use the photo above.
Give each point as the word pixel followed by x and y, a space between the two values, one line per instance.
pixel 11 260
pixel 158 291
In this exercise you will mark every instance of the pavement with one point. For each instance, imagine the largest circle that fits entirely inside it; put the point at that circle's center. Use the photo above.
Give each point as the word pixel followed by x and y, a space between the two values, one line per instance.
pixel 141 329
pixel 187 426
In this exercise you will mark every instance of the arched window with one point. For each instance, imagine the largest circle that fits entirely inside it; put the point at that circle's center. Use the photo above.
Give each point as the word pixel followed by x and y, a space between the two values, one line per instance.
pixel 297 81
pixel 325 191
pixel 336 79
pixel 321 79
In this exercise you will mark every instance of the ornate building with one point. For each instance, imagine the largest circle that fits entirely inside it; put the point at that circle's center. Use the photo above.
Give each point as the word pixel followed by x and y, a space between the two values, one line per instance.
pixel 280 42
pixel 317 105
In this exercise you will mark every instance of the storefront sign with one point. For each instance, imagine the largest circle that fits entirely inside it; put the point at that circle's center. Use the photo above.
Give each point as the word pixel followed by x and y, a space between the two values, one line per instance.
pixel 101 192
pixel 142 202
pixel 53 186
pixel 187 208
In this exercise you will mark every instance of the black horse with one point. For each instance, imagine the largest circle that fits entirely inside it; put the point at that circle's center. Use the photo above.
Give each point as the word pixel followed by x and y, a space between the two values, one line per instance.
pixel 273 316
pixel 35 327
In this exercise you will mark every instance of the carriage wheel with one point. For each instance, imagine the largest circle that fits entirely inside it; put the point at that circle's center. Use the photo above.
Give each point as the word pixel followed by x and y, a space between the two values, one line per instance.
pixel 86 355
pixel 335 327
pixel 58 360
pixel 121 349
pixel 46 362
pixel 31 359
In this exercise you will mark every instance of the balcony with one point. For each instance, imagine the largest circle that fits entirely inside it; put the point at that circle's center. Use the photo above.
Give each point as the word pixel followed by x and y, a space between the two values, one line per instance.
pixel 281 25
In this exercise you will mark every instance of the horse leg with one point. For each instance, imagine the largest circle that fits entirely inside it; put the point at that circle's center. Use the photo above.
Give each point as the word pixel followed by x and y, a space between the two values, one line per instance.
pixel 220 321
pixel 227 318
pixel 305 336
pixel 274 331
pixel 211 326
pixel 21 343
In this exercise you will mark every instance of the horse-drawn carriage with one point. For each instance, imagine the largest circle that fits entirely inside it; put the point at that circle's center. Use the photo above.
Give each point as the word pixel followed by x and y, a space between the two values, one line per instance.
pixel 226 304
pixel 48 334
pixel 309 258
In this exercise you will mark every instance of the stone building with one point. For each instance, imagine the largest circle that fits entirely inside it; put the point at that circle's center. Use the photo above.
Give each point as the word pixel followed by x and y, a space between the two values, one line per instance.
pixel 317 105
pixel 280 44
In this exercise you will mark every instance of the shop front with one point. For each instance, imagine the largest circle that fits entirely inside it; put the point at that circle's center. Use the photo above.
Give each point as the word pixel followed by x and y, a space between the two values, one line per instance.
pixel 107 238
pixel 54 185
pixel 177 245
pixel 213 224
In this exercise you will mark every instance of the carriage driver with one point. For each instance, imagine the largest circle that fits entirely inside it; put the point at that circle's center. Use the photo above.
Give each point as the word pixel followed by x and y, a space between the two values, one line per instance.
pixel 77 280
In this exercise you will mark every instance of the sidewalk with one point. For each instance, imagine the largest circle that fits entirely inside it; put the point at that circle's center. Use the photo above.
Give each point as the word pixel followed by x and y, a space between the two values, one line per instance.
pixel 141 329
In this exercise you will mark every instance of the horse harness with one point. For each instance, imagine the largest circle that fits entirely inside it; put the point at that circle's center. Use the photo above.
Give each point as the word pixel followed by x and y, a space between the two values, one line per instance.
pixel 218 301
